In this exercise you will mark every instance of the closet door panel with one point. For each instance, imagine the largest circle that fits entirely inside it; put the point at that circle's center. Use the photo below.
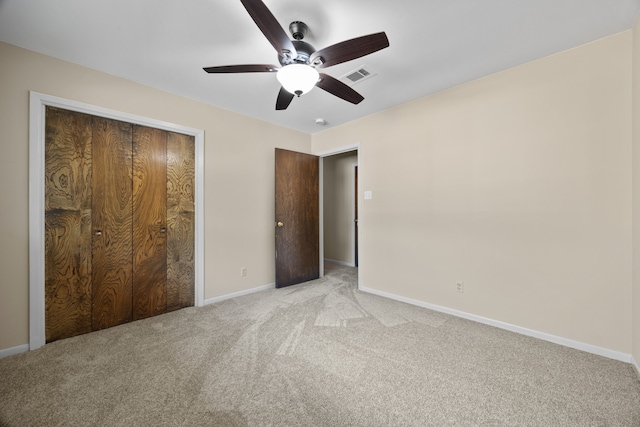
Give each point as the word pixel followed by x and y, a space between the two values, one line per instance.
pixel 112 227
pixel 180 221
pixel 119 222
pixel 149 222
pixel 67 224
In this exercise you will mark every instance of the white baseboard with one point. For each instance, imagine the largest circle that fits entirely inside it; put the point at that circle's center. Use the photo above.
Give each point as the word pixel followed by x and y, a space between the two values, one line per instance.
pixel 14 350
pixel 346 264
pixel 239 294
pixel 600 351
pixel 635 364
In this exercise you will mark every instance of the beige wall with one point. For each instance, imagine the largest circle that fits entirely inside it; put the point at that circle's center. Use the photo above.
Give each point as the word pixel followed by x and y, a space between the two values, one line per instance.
pixel 518 184
pixel 339 209
pixel 238 172
pixel 636 192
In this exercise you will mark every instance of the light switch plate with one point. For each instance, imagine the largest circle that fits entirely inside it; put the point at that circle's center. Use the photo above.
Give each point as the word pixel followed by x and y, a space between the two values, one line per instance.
pixel 368 195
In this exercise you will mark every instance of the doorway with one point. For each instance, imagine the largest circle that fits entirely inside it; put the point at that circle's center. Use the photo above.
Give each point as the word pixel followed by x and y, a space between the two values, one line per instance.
pixel 339 208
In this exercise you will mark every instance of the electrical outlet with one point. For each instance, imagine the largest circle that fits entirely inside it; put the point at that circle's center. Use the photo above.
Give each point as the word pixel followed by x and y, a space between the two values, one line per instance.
pixel 243 271
pixel 460 287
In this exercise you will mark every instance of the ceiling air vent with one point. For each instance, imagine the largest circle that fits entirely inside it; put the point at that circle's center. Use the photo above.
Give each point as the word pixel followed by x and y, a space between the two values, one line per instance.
pixel 358 75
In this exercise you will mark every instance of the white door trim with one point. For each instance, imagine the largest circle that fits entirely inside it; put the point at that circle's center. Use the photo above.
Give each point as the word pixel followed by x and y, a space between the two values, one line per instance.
pixel 37 104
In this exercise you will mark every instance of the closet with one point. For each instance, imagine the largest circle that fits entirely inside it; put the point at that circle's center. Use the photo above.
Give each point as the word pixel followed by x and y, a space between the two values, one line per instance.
pixel 119 222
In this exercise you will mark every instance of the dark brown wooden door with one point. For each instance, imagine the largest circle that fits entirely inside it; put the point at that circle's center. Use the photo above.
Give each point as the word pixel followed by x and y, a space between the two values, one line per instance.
pixel 297 217
pixel 355 192
pixel 149 222
pixel 180 221
pixel 119 222
pixel 111 223
pixel 67 224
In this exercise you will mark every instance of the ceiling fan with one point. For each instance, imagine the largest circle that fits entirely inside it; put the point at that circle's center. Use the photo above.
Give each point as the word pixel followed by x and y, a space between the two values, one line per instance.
pixel 299 60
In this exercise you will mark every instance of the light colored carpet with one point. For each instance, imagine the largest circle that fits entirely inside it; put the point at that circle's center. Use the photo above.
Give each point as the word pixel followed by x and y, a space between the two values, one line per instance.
pixel 316 354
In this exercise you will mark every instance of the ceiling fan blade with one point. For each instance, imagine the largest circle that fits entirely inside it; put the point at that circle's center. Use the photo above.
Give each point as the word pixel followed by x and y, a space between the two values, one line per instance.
pixel 339 89
pixel 349 49
pixel 249 68
pixel 284 99
pixel 269 26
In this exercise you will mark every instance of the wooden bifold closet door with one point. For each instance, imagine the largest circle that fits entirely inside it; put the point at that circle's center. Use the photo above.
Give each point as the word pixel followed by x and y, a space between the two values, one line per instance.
pixel 119 222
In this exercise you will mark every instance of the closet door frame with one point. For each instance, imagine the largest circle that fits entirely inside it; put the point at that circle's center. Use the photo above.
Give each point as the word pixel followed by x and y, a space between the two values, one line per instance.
pixel 37 104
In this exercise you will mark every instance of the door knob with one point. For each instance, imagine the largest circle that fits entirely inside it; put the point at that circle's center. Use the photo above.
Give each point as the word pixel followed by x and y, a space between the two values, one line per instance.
pixel 280 224
pixel 163 230
pixel 98 233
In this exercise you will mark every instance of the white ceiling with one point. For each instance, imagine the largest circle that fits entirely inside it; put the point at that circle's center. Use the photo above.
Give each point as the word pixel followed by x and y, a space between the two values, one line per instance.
pixel 434 44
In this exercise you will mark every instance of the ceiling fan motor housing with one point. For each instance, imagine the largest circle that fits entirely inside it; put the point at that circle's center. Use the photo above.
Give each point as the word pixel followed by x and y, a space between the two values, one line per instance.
pixel 304 50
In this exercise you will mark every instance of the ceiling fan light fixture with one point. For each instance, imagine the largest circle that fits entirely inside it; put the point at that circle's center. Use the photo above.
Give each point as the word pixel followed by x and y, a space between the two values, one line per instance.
pixel 298 79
